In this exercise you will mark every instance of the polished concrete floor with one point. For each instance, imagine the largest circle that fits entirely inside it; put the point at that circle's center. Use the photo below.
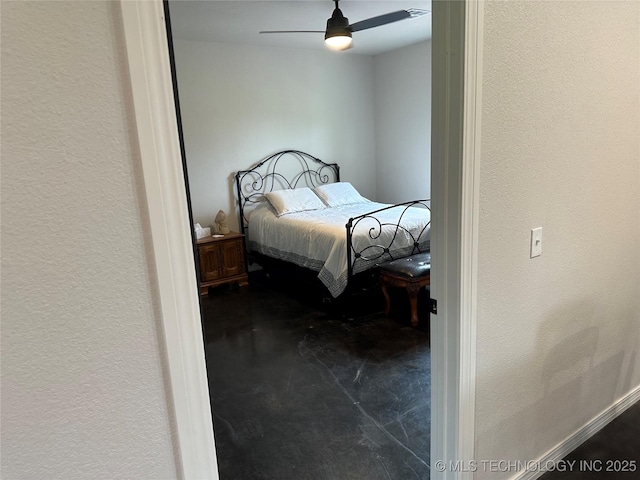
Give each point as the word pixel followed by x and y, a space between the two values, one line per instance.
pixel 301 389
pixel 612 453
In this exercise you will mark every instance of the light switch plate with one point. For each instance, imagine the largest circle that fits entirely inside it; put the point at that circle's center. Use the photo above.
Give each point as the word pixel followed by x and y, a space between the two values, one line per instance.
pixel 536 242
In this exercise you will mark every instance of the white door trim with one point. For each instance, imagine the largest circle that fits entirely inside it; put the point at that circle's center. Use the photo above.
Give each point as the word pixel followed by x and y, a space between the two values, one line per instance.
pixel 470 211
pixel 157 130
pixel 457 75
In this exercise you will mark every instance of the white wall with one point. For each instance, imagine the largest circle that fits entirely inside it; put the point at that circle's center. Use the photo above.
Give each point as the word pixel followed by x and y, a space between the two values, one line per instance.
pixel 240 104
pixel 403 123
pixel 558 336
pixel 83 389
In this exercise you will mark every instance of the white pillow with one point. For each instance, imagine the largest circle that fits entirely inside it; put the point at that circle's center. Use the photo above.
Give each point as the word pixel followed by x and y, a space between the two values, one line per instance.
pixel 294 200
pixel 340 193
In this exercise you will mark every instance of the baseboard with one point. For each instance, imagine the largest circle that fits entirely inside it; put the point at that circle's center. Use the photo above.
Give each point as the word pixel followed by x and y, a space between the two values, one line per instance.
pixel 582 434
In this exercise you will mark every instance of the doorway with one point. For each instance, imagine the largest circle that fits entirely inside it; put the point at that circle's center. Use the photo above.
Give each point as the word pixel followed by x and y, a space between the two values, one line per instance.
pixel 291 382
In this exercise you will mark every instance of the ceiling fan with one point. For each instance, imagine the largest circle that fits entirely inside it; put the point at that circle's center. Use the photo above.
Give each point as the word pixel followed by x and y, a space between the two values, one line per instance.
pixel 337 36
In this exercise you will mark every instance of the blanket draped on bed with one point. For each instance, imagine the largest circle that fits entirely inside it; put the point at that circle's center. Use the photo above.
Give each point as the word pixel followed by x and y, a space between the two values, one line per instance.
pixel 317 239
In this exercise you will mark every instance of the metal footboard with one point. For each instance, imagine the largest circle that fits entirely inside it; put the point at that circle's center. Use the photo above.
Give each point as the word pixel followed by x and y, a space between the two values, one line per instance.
pixel 377 251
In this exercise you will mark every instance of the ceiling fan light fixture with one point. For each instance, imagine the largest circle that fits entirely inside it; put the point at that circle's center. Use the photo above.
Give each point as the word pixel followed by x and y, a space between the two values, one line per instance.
pixel 338 34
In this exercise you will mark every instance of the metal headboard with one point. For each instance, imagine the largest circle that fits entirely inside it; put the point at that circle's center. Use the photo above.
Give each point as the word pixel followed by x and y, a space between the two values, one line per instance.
pixel 283 170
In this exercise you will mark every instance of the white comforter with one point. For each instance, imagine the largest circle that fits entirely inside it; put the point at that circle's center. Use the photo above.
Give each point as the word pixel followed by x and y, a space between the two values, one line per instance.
pixel 317 239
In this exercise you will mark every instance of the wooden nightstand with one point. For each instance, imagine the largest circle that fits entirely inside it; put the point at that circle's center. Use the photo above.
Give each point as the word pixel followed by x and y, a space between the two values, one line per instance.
pixel 221 260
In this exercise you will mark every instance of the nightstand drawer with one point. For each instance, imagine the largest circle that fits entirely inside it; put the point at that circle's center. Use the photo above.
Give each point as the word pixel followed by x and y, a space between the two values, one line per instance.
pixel 210 262
pixel 232 253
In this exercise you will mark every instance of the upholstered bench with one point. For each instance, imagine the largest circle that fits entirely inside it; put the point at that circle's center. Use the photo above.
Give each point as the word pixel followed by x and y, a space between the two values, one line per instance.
pixel 411 273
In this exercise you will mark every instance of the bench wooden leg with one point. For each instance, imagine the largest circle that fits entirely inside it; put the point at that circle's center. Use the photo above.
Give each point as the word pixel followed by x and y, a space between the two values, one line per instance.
pixel 412 287
pixel 387 299
pixel 412 290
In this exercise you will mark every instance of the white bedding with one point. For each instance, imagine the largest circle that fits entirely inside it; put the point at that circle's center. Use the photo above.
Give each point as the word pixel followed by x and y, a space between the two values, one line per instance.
pixel 317 239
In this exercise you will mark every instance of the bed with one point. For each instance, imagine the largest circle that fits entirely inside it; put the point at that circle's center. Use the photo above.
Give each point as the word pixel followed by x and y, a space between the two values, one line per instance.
pixel 293 207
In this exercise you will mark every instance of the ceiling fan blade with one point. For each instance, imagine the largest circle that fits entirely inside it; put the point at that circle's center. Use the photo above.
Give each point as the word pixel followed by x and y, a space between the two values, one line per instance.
pixel 292 31
pixel 380 20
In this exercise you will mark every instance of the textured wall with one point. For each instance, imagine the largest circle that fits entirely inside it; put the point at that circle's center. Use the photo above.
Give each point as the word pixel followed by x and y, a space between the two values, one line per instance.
pixel 558 336
pixel 83 394
pixel 403 123
pixel 240 104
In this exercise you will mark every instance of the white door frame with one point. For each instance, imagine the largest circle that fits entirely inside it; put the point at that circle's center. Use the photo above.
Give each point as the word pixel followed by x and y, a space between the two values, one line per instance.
pixel 456 76
pixel 455 149
pixel 157 129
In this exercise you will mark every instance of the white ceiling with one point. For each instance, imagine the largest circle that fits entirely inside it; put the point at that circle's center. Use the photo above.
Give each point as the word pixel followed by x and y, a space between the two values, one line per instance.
pixel 240 21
